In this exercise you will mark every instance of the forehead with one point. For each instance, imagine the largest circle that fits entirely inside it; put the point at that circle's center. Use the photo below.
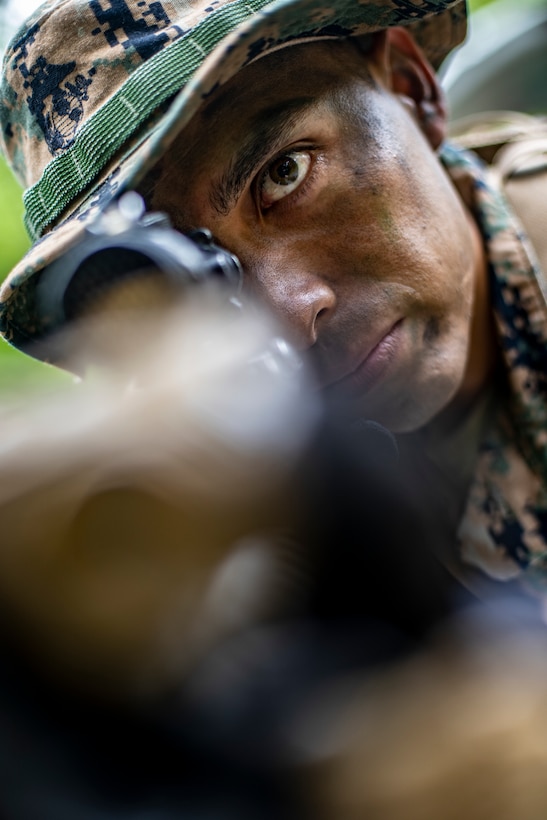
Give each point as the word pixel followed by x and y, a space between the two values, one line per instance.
pixel 305 92
pixel 279 86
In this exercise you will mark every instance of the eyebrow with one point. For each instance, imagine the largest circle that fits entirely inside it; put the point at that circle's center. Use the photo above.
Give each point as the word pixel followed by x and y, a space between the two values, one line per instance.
pixel 269 131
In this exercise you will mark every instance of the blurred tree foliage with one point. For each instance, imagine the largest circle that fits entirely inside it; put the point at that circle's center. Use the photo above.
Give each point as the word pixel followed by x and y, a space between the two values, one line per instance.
pixel 16 369
pixel 13 236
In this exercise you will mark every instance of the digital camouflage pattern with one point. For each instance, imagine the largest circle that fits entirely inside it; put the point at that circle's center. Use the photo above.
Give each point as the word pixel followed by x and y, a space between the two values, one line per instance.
pixel 91 95
pixel 503 531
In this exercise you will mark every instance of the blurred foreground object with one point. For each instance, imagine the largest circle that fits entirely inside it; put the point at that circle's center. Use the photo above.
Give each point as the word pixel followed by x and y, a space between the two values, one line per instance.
pixel 192 544
pixel 121 503
pixel 197 554
pixel 194 483
pixel 458 730
pixel 206 575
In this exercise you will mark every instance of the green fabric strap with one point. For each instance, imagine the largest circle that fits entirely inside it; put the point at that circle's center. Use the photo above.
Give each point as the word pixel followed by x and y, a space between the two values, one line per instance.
pixel 104 133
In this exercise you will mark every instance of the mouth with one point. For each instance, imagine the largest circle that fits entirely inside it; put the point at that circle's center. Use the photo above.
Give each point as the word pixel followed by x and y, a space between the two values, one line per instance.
pixel 370 370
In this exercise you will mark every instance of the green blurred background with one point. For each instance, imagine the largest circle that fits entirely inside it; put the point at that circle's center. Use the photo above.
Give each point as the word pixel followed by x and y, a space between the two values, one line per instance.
pixel 15 368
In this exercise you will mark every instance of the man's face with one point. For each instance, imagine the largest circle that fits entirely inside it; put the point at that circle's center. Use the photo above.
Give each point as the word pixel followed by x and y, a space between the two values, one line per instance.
pixel 317 176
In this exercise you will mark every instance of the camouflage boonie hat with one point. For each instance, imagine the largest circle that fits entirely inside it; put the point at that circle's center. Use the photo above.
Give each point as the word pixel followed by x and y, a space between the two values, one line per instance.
pixel 94 91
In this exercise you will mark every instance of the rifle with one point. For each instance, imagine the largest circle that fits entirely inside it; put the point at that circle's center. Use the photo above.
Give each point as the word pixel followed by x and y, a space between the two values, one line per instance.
pixel 190 534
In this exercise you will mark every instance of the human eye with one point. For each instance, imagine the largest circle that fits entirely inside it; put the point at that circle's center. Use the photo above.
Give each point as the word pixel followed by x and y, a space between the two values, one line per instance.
pixel 283 176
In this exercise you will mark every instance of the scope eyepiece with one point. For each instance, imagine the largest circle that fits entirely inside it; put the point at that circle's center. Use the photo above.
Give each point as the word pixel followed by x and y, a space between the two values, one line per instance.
pixel 125 257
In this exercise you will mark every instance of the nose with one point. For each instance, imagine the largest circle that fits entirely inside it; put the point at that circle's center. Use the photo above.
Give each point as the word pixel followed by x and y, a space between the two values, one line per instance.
pixel 302 301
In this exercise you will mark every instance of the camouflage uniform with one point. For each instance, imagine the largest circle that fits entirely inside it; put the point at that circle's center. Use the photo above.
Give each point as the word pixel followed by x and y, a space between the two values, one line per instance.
pixel 503 525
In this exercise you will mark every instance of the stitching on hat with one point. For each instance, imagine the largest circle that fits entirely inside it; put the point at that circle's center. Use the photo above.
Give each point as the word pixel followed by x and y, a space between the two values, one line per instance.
pixel 197 46
pixel 129 105
pixel 78 167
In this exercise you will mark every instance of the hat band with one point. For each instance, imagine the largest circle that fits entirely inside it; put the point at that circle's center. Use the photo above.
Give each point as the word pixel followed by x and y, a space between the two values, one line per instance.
pixel 105 132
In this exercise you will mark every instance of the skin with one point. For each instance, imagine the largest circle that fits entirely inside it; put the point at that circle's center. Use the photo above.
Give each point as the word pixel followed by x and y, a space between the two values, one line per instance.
pixel 317 167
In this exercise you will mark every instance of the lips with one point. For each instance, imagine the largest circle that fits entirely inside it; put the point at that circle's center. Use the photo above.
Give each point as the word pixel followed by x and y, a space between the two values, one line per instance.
pixel 366 372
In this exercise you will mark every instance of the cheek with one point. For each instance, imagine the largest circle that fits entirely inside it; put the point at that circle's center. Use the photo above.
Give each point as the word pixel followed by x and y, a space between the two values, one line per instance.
pixel 379 233
pixel 400 208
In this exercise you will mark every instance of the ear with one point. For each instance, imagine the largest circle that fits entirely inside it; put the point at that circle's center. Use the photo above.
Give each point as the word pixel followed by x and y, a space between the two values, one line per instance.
pixel 410 75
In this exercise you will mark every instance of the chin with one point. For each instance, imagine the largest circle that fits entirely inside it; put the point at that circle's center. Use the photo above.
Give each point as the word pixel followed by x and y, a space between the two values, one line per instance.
pixel 409 410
